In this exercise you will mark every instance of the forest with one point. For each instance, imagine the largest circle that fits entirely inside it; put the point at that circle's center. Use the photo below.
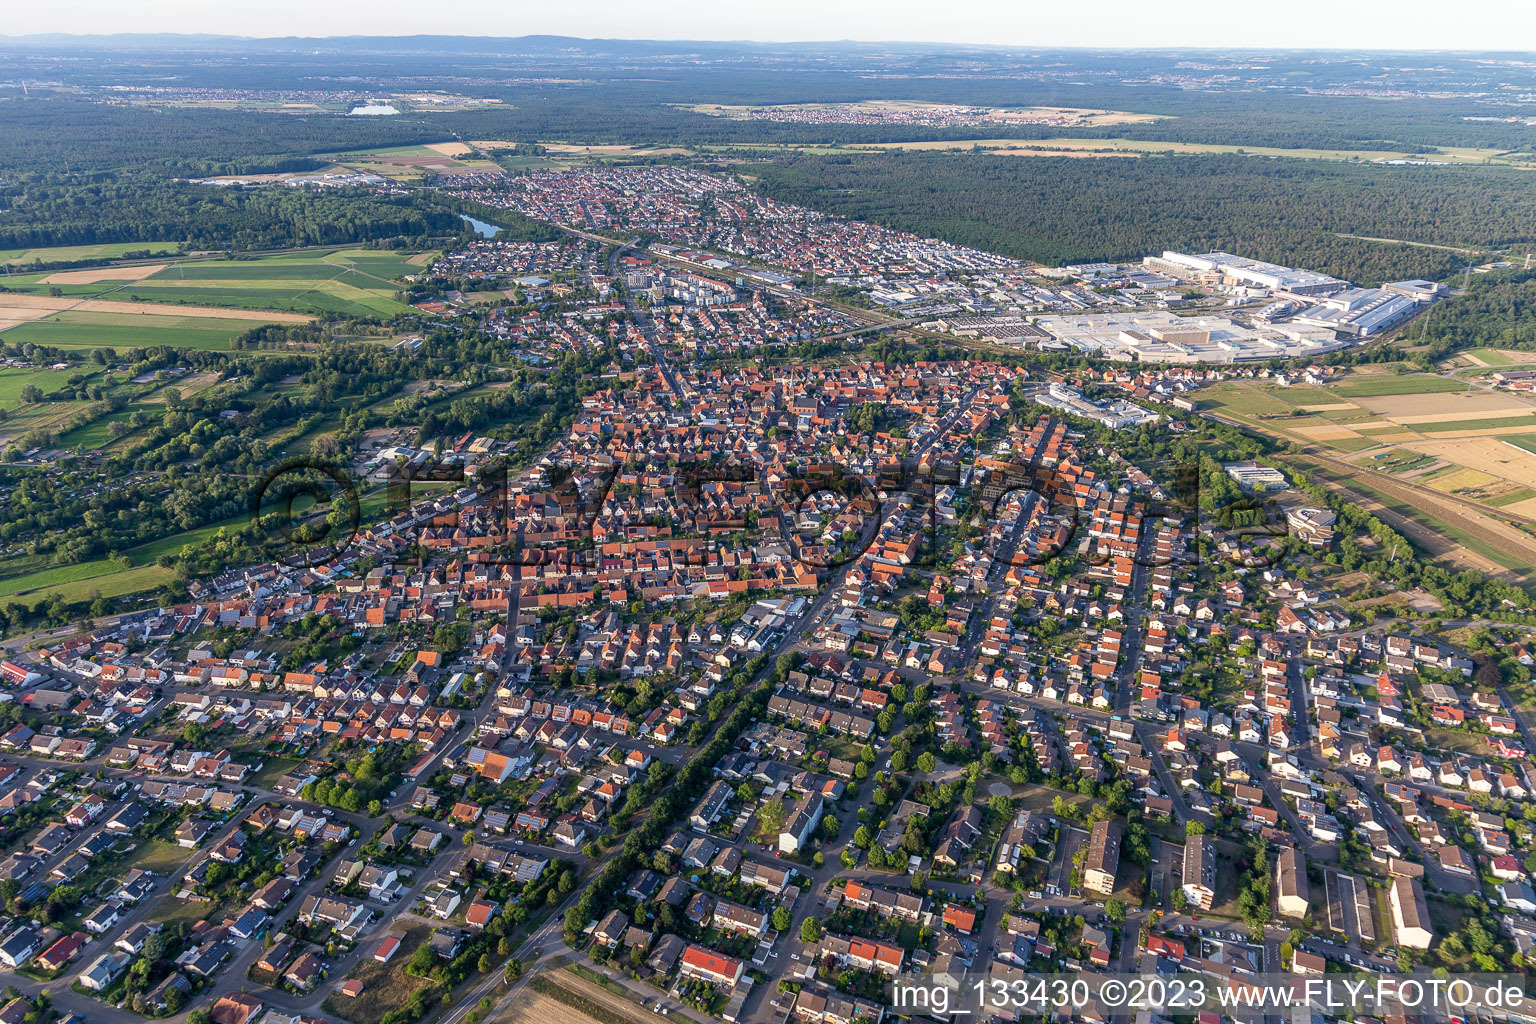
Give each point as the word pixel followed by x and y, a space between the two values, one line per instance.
pixel 46 131
pixel 143 208
pixel 1064 211
pixel 1498 311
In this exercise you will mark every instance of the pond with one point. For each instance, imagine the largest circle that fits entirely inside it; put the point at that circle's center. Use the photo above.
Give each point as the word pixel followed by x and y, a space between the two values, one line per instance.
pixel 481 228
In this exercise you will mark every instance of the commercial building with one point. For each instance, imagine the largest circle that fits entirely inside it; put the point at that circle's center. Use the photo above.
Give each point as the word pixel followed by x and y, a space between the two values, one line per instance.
pixel 1115 415
pixel 1251 476
pixel 1313 525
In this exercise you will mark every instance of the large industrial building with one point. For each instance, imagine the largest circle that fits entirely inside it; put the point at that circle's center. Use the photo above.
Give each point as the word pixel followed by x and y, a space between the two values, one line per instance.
pixel 1158 336
pixel 1358 312
pixel 1225 268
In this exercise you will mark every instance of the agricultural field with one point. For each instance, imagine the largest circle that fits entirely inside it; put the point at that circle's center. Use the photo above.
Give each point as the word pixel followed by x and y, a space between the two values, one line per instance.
pixel 14 378
pixel 67 253
pixel 120 331
pixel 1491 358
pixel 289 287
pixel 352 282
pixel 1463 455
pixel 1366 411
pixel 114 582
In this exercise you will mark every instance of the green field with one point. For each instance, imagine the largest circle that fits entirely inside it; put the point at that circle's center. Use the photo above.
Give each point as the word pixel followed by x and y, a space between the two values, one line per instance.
pixel 1243 400
pixel 1525 444
pixel 67 253
pixel 350 282
pixel 114 581
pixel 14 378
pixel 1406 384
pixel 1524 494
pixel 1493 425
pixel 75 330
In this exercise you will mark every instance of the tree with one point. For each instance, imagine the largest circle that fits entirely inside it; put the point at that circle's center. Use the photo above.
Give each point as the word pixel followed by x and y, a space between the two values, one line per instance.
pixel 422 961
pixel 1180 901
pixel 782 919
pixel 1114 910
pixel 200 1016
pixel 514 970
pixel 925 762
pixel 810 931
pixel 1194 828
pixel 485 964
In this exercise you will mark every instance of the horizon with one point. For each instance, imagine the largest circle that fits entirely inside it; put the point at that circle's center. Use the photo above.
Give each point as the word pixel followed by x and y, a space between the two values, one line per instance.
pixel 937 45
pixel 1313 26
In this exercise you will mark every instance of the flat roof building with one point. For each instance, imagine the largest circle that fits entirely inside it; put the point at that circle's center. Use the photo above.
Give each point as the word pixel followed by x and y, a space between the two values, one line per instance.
pixel 1158 336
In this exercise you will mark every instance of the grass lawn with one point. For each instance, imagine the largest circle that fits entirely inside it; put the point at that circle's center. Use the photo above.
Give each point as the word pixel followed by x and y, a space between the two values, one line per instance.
pixel 354 282
pixel 52 576
pixel 1459 740
pixel 174 911
pixel 274 769
pixel 1524 494
pixel 158 856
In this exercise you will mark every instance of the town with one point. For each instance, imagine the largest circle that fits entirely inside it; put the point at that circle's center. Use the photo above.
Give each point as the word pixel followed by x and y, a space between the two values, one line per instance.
pixel 515 575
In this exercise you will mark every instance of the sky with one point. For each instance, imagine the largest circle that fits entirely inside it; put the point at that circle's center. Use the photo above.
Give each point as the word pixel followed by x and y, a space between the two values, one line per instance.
pixel 1326 24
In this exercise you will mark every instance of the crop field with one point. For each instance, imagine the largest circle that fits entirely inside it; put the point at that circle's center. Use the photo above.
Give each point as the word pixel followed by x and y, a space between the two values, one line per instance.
pixel 1494 358
pixel 129 272
pixel 115 582
pixel 352 282
pixel 288 287
pixel 1433 437
pixel 284 287
pixel 65 253
pixel 76 330
pixel 1405 384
